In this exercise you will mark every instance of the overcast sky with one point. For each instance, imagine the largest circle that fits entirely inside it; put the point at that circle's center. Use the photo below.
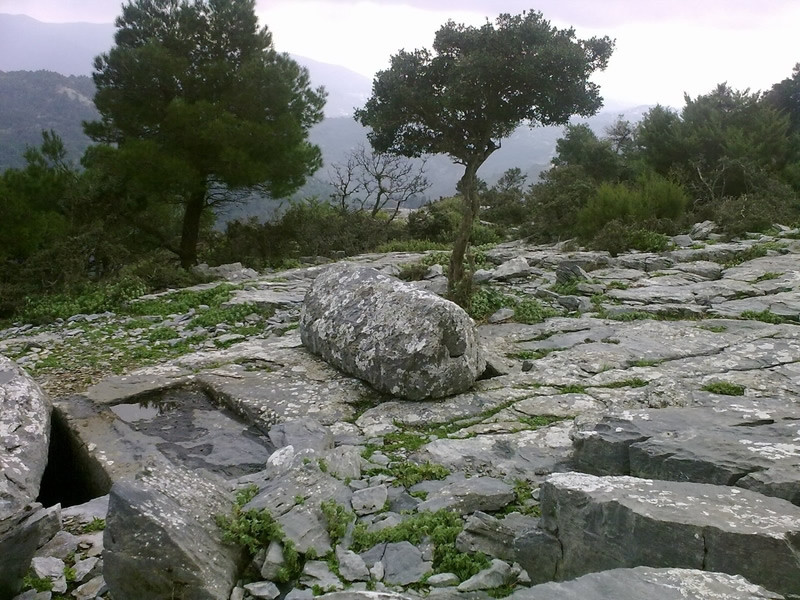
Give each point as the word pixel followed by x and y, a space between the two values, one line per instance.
pixel 663 47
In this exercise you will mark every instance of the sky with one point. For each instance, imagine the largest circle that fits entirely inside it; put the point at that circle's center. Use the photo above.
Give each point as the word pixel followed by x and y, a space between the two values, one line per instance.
pixel 664 48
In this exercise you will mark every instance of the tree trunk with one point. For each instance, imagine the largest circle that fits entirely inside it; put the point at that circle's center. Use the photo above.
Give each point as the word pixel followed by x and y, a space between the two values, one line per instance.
pixel 191 228
pixel 458 287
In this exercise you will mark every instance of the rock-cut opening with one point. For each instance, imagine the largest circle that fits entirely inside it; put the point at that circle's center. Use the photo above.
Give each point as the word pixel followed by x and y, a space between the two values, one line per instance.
pixel 71 477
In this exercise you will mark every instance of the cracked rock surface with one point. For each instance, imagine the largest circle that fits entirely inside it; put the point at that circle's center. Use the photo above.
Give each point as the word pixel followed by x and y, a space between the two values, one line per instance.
pixel 657 426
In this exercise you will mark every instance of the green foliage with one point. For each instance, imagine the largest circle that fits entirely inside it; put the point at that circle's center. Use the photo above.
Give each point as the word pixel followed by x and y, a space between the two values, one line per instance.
pixel 441 528
pixel 504 203
pixel 486 301
pixel 412 246
pixel 652 200
pixel 714 328
pixel 555 202
pixel 254 530
pixel 580 147
pixel 572 388
pixel 69 574
pixel 409 473
pixel 537 421
pixel 40 584
pixel 337 519
pixel 634 382
pixel 96 524
pixel 532 354
pixel 724 388
pixel 772 202
pixel 475 87
pixel 193 92
pixel 310 228
pixel 765 316
pixel 532 311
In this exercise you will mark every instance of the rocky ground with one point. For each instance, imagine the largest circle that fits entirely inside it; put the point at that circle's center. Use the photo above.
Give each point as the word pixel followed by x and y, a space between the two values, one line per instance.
pixel 635 434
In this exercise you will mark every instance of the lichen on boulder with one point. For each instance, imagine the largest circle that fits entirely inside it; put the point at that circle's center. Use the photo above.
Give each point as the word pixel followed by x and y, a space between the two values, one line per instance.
pixel 402 340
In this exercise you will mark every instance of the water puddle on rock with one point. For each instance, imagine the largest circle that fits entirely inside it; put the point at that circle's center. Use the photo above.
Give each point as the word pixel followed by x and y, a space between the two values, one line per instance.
pixel 191 429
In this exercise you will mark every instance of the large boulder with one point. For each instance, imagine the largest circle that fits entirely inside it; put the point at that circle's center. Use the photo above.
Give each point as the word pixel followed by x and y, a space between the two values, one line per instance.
pixel 402 340
pixel 24 441
pixel 614 522
pixel 24 437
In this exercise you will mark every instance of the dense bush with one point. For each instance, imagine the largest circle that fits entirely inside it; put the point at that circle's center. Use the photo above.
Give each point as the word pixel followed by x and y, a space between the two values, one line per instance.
pixel 308 228
pixel 554 203
pixel 652 204
pixel 440 220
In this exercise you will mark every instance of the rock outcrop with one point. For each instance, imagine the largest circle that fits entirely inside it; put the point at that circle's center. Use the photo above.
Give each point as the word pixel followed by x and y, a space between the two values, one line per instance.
pixel 403 341
pixel 652 421
pixel 24 443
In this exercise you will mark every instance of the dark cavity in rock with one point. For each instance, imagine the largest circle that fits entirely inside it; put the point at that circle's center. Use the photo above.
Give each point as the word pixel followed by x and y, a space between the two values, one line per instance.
pixel 71 477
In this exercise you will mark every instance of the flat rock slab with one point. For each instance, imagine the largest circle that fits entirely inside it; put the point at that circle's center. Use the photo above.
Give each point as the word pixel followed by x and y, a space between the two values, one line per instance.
pixel 466 495
pixel 161 540
pixel 642 583
pixel 611 522
pixel 746 444
pixel 402 340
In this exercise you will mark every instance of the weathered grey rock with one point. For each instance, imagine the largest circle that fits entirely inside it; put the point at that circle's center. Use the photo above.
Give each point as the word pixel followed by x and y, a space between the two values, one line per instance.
pixel 701 231
pixel 60 545
pixel 298 594
pixel 84 567
pixel 237 593
pixel 539 553
pixel 363 595
pixel 47 566
pixel 91 589
pixel 317 573
pixel 403 564
pixel 351 565
pixel 644 582
pixel 263 589
pixel 273 561
pixel 492 536
pixel 303 524
pixel 575 303
pixel 497 574
pixel 506 455
pixel 24 437
pixel 344 462
pixel 570 271
pixel 34 595
pixel 611 522
pixel 746 445
pixel 443 580
pixel 161 536
pixel 20 535
pixel 401 340
pixel 501 315
pixel 369 500
pixel 302 434
pixel 465 496
pixel 516 267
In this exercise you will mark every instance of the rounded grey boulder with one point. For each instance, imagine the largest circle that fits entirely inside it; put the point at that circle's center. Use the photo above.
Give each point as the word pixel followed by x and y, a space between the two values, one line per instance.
pixel 402 340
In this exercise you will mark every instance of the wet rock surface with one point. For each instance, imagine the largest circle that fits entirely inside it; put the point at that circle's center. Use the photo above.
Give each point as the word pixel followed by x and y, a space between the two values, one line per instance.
pixel 664 410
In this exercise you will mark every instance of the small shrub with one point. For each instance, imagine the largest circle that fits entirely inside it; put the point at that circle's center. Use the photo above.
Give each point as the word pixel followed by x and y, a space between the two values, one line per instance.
pixel 532 311
pixel 765 316
pixel 487 300
pixel 724 388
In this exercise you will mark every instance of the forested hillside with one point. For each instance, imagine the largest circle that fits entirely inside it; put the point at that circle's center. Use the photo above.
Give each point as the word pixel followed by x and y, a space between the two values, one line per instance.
pixel 33 101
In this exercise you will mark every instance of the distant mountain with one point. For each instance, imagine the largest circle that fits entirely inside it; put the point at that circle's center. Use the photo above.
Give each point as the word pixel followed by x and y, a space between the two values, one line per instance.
pixel 67 48
pixel 32 101
pixel 70 49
